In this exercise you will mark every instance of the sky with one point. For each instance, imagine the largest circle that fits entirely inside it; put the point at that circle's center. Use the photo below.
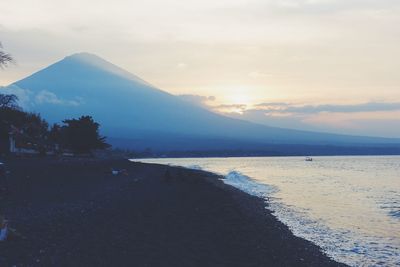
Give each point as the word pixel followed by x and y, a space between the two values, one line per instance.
pixel 326 65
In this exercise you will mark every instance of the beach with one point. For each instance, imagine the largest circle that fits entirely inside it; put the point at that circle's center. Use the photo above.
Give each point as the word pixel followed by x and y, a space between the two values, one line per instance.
pixel 74 212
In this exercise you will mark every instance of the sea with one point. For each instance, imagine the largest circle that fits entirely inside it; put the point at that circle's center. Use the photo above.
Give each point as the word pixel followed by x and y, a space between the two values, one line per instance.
pixel 347 205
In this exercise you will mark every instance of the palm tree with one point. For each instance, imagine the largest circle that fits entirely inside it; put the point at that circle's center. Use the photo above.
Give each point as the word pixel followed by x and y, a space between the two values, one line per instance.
pixel 5 58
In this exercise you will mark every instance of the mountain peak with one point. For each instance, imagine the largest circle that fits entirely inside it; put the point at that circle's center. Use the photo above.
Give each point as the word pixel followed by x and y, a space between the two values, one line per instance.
pixel 88 58
pixel 97 62
pixel 75 78
pixel 83 55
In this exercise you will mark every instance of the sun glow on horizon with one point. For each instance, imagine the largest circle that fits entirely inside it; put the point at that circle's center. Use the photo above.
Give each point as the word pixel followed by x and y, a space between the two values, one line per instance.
pixel 239 99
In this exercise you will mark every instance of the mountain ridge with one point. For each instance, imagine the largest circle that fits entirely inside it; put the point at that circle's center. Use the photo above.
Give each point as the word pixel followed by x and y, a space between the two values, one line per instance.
pixel 128 107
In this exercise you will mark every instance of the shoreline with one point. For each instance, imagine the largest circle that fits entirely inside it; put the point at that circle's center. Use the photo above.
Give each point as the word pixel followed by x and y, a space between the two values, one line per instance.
pixel 269 156
pixel 75 213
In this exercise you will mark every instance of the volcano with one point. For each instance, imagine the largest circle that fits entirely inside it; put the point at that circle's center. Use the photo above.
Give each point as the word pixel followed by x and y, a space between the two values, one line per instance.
pixel 135 114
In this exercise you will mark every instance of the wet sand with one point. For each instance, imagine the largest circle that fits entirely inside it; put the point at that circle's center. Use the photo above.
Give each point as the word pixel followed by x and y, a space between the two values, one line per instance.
pixel 75 213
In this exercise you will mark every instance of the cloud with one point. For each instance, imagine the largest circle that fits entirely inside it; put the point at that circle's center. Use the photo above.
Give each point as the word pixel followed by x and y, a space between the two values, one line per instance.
pixel 198 99
pixel 282 108
pixel 316 7
pixel 282 120
pixel 357 119
pixel 312 109
pixel 230 108
pixel 46 97
pixel 28 99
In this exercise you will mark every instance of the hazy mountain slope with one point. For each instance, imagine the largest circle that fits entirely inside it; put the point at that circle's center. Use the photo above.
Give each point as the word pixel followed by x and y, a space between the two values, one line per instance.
pixel 130 108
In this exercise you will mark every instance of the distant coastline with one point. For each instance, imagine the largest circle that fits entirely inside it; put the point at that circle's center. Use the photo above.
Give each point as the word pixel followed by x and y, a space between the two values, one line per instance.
pixel 276 151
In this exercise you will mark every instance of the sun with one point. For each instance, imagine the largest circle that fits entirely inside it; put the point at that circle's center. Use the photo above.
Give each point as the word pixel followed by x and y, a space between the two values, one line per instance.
pixel 236 102
pixel 238 95
pixel 239 98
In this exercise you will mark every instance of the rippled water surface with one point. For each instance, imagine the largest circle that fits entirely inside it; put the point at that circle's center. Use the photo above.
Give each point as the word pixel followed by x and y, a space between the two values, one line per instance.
pixel 350 206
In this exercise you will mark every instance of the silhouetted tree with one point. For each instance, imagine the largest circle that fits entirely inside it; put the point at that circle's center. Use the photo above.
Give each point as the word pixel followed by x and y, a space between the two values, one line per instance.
pixel 55 134
pixel 9 113
pixel 82 135
pixel 8 101
pixel 5 102
pixel 5 58
pixel 35 127
pixel 31 127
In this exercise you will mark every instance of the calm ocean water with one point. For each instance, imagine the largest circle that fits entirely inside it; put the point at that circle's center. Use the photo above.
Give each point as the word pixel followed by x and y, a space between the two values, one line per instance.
pixel 349 206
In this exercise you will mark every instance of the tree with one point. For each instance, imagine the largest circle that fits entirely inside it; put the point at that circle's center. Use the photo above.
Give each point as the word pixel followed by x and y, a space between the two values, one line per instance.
pixel 9 114
pixel 82 135
pixel 8 101
pixel 55 134
pixel 31 127
pixel 5 58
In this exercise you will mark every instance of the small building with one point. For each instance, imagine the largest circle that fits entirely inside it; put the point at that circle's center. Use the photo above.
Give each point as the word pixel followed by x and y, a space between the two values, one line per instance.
pixel 19 143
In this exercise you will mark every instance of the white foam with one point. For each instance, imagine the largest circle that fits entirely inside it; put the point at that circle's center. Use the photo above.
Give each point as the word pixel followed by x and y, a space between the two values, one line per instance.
pixel 195 167
pixel 248 185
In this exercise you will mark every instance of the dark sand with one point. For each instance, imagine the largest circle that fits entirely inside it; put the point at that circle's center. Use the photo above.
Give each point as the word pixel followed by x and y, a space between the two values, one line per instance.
pixel 74 213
